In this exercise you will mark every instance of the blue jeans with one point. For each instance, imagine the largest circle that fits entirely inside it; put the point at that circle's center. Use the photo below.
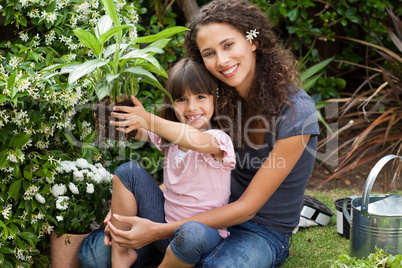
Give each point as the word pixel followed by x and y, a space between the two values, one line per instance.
pixel 150 202
pixel 193 240
pixel 249 244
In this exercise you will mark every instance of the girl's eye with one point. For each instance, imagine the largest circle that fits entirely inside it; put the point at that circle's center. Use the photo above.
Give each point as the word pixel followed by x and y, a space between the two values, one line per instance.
pixel 201 97
pixel 181 99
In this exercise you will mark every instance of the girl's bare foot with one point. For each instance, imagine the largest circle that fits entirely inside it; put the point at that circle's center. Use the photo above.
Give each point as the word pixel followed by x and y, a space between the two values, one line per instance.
pixel 123 257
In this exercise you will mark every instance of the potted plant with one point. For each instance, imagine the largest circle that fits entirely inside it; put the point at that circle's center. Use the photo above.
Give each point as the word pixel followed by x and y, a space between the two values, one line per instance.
pixel 77 199
pixel 120 64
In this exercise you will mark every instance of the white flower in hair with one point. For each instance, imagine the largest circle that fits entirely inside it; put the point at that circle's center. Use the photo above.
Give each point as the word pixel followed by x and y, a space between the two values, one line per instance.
pixel 251 34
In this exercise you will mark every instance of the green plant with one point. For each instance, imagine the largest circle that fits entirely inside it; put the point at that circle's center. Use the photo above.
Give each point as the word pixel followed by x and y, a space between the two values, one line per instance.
pixel 36 114
pixel 373 114
pixel 120 66
pixel 378 259
pixel 77 196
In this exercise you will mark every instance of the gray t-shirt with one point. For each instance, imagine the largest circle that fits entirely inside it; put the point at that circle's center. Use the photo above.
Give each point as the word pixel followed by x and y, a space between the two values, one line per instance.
pixel 282 211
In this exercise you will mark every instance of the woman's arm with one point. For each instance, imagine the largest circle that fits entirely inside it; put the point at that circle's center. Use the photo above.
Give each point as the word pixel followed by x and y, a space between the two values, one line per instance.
pixel 260 189
pixel 184 135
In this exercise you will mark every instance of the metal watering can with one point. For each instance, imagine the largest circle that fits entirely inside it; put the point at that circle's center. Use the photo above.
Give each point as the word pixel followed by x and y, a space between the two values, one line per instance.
pixel 376 220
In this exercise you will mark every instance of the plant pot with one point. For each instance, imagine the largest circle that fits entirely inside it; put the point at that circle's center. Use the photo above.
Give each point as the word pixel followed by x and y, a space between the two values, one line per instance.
pixel 342 224
pixel 64 250
pixel 103 129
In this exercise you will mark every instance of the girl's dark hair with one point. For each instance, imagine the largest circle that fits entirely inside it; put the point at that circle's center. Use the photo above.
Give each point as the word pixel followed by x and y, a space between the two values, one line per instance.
pixel 191 76
pixel 276 74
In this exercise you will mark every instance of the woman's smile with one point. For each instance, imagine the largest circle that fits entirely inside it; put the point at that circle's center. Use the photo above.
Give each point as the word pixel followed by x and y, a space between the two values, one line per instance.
pixel 230 71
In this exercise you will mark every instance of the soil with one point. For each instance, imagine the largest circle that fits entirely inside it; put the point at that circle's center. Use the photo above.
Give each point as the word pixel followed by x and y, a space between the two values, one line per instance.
pixel 356 178
pixel 102 110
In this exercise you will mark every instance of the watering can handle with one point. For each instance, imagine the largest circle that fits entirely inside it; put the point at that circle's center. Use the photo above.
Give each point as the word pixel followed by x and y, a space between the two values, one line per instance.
pixel 371 178
pixel 345 207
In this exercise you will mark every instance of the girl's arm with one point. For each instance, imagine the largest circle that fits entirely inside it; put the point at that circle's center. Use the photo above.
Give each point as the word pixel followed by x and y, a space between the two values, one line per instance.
pixel 142 135
pixel 262 186
pixel 184 135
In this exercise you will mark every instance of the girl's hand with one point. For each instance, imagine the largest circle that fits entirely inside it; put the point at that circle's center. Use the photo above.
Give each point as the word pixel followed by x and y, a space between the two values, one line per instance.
pixel 133 117
pixel 108 239
pixel 141 233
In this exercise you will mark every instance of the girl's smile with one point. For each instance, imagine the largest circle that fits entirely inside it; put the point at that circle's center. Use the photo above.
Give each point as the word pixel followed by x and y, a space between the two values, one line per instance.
pixel 228 55
pixel 194 109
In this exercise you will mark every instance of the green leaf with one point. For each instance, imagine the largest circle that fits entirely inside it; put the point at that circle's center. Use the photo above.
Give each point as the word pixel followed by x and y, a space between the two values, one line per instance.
pixel 315 69
pixel 111 77
pixel 103 88
pixel 33 55
pixel 111 11
pixel 5 230
pixel 14 188
pixel 84 69
pixel 104 24
pixel 106 36
pixel 19 140
pixel 308 83
pixel 3 98
pixel 293 14
pixel 322 120
pixel 161 43
pixel 69 139
pixel 139 54
pixel 90 137
pixel 147 66
pixel 11 79
pixel 155 50
pixel 149 78
pixel 27 175
pixel 88 40
pixel 165 33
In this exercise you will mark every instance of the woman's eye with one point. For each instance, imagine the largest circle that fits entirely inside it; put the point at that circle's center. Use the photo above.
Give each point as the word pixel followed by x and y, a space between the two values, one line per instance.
pixel 206 55
pixel 181 99
pixel 227 45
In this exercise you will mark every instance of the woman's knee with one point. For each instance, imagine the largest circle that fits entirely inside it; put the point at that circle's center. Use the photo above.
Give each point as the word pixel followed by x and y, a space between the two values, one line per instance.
pixel 194 237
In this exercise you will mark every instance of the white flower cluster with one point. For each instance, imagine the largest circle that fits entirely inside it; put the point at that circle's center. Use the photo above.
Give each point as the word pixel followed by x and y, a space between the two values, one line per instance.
pixel 86 129
pixel 6 211
pixel 31 192
pixel 81 169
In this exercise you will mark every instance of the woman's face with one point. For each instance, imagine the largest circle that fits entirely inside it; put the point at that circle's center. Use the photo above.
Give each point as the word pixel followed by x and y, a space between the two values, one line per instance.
pixel 228 55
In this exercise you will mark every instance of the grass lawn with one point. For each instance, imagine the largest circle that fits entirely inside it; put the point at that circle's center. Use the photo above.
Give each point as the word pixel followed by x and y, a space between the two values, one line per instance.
pixel 316 246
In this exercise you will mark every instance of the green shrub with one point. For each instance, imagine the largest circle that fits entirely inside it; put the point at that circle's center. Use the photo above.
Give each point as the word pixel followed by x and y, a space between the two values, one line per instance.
pixel 313 28
pixel 42 122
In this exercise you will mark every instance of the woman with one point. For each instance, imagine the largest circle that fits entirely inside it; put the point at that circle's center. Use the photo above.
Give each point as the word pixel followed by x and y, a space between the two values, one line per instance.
pixel 274 128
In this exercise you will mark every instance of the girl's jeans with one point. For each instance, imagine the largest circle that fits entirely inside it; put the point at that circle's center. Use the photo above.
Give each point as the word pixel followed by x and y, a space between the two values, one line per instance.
pixel 249 244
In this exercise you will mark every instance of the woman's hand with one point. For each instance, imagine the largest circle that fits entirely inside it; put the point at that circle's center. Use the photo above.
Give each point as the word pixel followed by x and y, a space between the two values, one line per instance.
pixel 132 117
pixel 142 232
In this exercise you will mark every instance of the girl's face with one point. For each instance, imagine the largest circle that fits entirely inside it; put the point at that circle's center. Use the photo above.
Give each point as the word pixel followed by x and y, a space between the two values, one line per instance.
pixel 228 55
pixel 195 110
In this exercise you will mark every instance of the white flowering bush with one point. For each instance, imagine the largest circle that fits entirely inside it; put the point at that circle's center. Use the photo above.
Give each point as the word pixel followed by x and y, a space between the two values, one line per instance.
pixel 78 196
pixel 44 122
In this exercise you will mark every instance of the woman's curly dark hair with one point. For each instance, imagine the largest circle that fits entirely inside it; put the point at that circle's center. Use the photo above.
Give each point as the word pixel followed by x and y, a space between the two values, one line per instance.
pixel 276 74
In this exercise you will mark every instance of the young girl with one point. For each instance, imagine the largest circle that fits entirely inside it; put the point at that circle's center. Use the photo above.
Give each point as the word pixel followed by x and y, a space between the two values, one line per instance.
pixel 197 166
pixel 274 128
